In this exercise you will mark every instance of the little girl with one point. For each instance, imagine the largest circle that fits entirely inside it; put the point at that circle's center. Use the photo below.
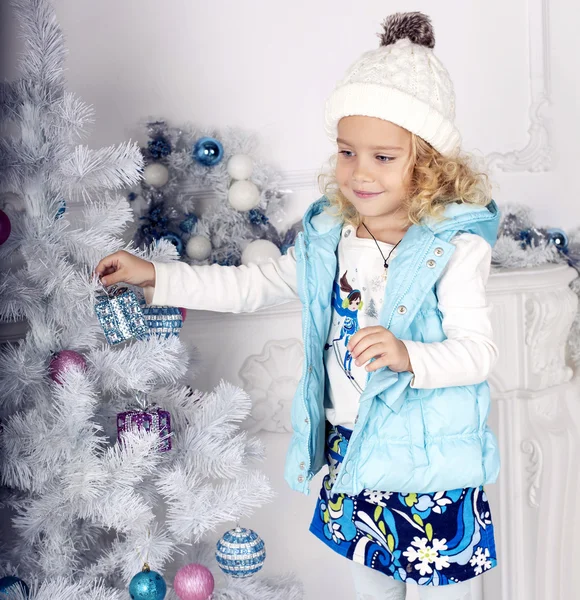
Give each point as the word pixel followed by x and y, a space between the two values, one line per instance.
pixel 408 225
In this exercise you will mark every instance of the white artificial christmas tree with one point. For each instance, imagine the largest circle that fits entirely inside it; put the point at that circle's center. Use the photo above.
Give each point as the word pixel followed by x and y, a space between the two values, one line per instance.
pixel 82 511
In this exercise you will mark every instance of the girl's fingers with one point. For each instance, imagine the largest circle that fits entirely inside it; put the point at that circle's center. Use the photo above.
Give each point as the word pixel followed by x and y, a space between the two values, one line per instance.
pixel 114 277
pixel 108 264
pixel 381 362
pixel 366 342
pixel 361 334
pixel 374 351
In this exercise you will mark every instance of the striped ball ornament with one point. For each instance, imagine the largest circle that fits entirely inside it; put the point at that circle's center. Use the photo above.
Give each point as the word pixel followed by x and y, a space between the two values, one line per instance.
pixel 240 552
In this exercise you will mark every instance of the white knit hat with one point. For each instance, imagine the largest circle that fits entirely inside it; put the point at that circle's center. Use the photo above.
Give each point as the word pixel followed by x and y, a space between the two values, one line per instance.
pixel 403 82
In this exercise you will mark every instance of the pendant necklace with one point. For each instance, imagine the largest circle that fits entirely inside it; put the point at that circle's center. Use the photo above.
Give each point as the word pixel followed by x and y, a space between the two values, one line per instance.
pixel 385 260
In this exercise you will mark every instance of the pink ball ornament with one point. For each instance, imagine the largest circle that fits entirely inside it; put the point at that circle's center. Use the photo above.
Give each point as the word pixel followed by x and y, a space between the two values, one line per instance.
pixel 64 360
pixel 193 582
pixel 5 227
pixel 183 312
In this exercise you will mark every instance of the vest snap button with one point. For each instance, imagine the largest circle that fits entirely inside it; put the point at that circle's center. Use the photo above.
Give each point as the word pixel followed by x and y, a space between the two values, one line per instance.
pixel 302 465
pixel 431 263
pixel 306 420
pixel 300 478
pixel 402 309
pixel 438 251
pixel 310 369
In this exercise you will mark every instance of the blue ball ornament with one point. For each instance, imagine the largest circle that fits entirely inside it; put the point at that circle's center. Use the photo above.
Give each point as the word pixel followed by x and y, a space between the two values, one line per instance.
pixel 9 583
pixel 208 151
pixel 240 552
pixel 558 238
pixel 175 240
pixel 147 585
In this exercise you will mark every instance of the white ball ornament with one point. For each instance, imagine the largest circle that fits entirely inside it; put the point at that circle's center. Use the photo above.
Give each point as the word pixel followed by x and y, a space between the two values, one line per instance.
pixel 260 251
pixel 240 166
pixel 198 247
pixel 244 195
pixel 156 175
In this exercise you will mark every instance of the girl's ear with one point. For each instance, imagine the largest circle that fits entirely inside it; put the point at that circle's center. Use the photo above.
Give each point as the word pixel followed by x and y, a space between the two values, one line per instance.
pixel 345 302
pixel 360 305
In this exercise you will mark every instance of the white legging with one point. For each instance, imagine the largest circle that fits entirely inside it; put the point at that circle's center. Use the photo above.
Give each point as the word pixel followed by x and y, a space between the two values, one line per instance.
pixel 371 584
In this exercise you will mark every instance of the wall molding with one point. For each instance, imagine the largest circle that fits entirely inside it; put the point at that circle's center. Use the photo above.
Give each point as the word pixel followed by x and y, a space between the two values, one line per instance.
pixel 537 155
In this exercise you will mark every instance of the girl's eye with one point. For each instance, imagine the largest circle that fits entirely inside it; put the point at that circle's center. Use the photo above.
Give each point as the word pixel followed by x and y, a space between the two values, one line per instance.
pixel 346 153
pixel 385 158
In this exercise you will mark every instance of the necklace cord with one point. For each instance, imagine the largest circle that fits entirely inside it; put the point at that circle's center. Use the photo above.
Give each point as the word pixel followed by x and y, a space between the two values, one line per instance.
pixel 385 260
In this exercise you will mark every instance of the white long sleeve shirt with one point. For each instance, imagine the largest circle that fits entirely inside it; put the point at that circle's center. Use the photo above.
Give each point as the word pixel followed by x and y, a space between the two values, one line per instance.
pixel 465 357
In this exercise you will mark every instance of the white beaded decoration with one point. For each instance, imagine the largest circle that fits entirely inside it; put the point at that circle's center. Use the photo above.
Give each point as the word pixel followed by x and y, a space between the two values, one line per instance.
pixel 198 247
pixel 156 175
pixel 244 195
pixel 260 251
pixel 240 166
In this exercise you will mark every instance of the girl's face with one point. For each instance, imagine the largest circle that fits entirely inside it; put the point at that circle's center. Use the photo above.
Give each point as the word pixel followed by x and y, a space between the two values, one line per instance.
pixel 354 305
pixel 372 169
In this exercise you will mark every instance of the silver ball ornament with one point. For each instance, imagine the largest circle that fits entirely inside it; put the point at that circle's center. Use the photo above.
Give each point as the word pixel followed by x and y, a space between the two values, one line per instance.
pixel 240 166
pixel 244 195
pixel 198 247
pixel 156 175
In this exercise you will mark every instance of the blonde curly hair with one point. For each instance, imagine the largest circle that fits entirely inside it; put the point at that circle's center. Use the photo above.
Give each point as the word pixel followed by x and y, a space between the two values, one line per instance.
pixel 435 181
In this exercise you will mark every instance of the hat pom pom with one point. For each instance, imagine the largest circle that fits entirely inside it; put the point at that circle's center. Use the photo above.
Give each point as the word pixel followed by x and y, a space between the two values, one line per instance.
pixel 415 26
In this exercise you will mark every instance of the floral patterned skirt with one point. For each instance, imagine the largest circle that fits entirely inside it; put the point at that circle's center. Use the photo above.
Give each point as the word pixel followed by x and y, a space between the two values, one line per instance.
pixel 438 538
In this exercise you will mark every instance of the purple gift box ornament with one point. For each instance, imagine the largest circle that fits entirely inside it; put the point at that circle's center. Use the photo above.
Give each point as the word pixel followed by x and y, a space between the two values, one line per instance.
pixel 150 418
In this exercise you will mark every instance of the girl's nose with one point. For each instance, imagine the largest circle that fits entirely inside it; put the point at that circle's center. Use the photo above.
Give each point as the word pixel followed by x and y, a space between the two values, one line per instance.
pixel 361 174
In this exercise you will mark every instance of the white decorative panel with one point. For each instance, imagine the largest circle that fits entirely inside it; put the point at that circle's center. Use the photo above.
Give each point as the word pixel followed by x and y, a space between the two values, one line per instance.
pixel 271 379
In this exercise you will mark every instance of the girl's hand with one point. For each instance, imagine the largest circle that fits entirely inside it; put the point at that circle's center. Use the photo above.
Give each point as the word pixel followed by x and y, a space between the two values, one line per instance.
pixel 126 267
pixel 379 343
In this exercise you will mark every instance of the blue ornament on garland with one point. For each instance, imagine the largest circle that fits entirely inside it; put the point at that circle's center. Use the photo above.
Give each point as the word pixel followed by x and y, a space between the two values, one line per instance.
pixel 9 584
pixel 159 147
pixel 208 151
pixel 131 196
pixel 147 585
pixel 175 240
pixel 558 238
pixel 188 223
pixel 257 217
pixel 61 209
pixel 240 552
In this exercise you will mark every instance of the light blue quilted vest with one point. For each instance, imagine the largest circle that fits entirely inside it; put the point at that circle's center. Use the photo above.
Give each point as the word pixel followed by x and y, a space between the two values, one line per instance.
pixel 405 440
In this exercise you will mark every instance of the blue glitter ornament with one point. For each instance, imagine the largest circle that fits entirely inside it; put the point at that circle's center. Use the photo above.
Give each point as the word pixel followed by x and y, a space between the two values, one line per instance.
pixel 175 240
pixel 9 584
pixel 147 585
pixel 188 223
pixel 159 147
pixel 163 321
pixel 558 238
pixel 208 151
pixel 240 552
pixel 131 196
pixel 120 315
